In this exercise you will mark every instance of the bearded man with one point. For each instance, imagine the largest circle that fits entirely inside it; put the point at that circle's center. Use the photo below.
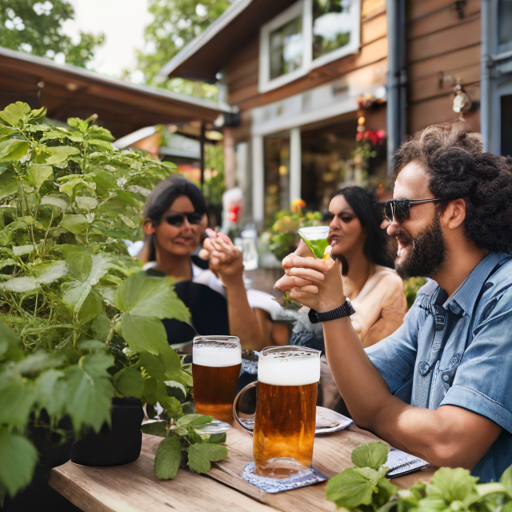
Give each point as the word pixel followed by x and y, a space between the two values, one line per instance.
pixel 438 387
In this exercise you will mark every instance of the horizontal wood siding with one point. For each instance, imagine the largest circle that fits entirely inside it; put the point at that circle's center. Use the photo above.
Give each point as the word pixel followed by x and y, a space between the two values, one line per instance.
pixel 441 48
pixel 241 73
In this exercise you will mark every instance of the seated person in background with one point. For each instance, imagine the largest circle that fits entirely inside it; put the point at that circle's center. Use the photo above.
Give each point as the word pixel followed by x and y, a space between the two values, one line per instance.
pixel 438 387
pixel 373 287
pixel 174 220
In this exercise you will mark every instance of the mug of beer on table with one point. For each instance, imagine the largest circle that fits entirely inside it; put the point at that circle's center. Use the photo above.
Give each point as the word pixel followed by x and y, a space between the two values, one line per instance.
pixel 284 424
pixel 216 364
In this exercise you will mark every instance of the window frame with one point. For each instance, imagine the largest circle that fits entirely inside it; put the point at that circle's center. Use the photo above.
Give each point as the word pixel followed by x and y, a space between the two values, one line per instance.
pixel 302 8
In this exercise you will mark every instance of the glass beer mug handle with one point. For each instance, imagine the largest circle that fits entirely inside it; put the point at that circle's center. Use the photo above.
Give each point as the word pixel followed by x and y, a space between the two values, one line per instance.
pixel 244 406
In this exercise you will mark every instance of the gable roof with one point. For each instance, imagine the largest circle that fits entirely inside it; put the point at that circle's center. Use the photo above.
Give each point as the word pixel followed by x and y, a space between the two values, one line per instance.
pixel 69 91
pixel 209 52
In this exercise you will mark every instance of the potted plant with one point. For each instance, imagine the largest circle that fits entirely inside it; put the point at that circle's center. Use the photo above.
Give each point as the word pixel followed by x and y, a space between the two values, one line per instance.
pixel 82 326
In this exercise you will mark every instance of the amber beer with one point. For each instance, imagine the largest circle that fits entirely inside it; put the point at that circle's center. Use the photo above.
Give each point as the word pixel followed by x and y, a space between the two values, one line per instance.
pixel 216 364
pixel 284 429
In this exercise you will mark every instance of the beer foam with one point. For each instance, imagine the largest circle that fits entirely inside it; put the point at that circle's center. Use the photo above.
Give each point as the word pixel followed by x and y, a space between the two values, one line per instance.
pixel 216 356
pixel 296 369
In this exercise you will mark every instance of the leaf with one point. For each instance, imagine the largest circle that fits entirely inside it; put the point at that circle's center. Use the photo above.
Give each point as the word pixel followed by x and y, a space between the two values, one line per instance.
pixel 154 428
pixel 100 145
pixel 506 479
pixel 37 174
pixel 16 399
pixel 97 364
pixel 171 406
pixel 76 223
pixel 200 456
pixel 452 484
pixel 193 420
pixel 39 362
pixel 143 295
pixel 217 438
pixel 20 250
pixel 87 203
pixel 91 345
pixel 153 365
pixel 49 273
pixel 87 271
pixel 50 390
pixel 56 201
pixel 13 113
pixel 88 399
pixel 8 184
pixel 168 458
pixel 60 153
pixel 19 284
pixel 352 488
pixel 8 263
pixel 370 455
pixel 19 457
pixel 129 382
pixel 10 346
pixel 144 334
pixel 90 309
pixel 13 149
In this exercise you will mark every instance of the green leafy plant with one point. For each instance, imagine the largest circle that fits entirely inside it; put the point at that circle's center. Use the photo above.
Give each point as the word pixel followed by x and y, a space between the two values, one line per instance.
pixel 81 324
pixel 366 489
pixel 282 237
pixel 411 288
pixel 184 446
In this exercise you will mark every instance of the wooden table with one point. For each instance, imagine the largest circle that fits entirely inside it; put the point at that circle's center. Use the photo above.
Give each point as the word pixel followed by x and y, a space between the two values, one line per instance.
pixel 134 487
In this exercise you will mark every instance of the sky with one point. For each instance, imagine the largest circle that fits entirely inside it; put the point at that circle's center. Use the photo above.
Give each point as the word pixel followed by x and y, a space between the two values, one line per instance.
pixel 122 22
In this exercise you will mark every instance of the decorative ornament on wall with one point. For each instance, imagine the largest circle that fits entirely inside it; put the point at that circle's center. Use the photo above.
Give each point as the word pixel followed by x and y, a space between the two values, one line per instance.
pixel 461 101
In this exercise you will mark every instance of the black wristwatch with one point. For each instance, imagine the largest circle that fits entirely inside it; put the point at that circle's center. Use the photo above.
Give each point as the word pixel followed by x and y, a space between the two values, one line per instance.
pixel 342 311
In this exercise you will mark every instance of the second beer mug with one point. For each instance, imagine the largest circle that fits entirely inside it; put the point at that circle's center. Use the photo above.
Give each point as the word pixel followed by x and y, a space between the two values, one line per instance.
pixel 216 363
pixel 284 425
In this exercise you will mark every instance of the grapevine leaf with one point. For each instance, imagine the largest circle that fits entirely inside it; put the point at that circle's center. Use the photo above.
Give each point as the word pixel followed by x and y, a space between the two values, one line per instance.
pixel 19 458
pixel 352 488
pixel 144 334
pixel 143 295
pixel 200 456
pixel 38 362
pixel 37 174
pixel 129 382
pixel 370 455
pixel 154 428
pixel 168 458
pixel 16 399
pixel 50 391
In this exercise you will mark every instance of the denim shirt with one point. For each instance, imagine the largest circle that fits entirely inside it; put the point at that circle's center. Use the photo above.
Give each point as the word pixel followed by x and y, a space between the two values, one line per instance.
pixel 458 351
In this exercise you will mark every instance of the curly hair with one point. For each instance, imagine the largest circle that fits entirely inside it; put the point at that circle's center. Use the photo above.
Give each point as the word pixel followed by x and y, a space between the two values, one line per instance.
pixel 458 168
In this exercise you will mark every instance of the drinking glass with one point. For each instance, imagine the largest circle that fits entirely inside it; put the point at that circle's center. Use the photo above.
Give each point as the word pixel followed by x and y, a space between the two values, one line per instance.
pixel 315 238
pixel 284 425
pixel 216 364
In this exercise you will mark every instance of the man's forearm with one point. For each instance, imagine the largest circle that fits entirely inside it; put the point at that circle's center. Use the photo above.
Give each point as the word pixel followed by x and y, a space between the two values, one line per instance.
pixel 449 436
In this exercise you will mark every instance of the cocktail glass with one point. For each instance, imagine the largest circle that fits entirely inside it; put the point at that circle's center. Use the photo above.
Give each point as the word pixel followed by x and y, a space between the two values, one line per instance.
pixel 315 238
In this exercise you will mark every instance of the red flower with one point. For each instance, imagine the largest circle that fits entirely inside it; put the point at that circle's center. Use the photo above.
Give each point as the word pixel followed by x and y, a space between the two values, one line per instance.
pixel 381 134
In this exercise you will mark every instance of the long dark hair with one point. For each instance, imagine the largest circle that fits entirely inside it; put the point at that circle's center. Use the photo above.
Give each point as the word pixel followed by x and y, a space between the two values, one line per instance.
pixel 376 246
pixel 162 197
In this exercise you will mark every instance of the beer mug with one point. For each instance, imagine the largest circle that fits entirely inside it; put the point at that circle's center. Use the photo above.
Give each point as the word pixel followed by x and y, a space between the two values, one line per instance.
pixel 284 424
pixel 216 364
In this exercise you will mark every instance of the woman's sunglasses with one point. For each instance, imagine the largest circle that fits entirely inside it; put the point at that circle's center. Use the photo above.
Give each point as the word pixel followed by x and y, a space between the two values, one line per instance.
pixel 177 219
pixel 399 210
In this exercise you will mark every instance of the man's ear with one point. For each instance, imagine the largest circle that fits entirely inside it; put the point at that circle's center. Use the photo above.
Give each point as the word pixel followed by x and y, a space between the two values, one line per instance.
pixel 148 227
pixel 455 213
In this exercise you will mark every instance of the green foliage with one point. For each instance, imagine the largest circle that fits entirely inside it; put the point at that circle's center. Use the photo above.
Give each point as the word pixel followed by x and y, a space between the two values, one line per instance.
pixel 81 325
pixel 176 23
pixel 365 488
pixel 35 27
pixel 283 237
pixel 183 445
pixel 411 288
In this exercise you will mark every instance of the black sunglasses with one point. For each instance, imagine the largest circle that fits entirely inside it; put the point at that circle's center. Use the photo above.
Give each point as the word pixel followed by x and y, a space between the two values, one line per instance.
pixel 399 210
pixel 177 219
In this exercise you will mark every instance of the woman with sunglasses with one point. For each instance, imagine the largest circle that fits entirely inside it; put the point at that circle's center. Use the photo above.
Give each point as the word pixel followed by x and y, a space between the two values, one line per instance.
pixel 175 218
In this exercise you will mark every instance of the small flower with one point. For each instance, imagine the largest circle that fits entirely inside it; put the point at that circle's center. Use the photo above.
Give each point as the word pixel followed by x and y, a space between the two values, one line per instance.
pixel 297 205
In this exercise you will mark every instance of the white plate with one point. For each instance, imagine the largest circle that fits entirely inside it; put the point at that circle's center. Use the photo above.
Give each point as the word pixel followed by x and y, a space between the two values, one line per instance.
pixel 327 421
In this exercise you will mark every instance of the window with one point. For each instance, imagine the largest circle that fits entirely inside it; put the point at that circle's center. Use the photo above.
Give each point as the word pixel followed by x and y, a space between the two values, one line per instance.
pixel 308 34
pixel 504 32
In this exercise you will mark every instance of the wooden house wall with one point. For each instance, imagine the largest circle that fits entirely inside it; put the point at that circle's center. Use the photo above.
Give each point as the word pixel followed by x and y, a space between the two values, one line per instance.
pixel 440 43
pixel 241 74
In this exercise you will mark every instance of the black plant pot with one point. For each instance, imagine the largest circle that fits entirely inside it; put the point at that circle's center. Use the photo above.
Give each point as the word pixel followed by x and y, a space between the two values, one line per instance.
pixel 38 496
pixel 114 446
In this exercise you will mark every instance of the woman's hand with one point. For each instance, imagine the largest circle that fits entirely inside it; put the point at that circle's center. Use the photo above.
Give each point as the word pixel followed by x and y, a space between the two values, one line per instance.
pixel 313 282
pixel 226 261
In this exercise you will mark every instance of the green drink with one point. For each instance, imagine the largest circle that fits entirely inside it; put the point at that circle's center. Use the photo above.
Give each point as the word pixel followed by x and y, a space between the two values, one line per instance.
pixel 315 238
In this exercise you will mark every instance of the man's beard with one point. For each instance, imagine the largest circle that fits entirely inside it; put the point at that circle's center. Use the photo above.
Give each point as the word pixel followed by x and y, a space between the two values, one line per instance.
pixel 427 253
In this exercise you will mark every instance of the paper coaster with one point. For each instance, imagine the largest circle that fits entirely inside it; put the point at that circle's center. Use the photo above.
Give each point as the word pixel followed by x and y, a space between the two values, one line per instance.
pixel 307 477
